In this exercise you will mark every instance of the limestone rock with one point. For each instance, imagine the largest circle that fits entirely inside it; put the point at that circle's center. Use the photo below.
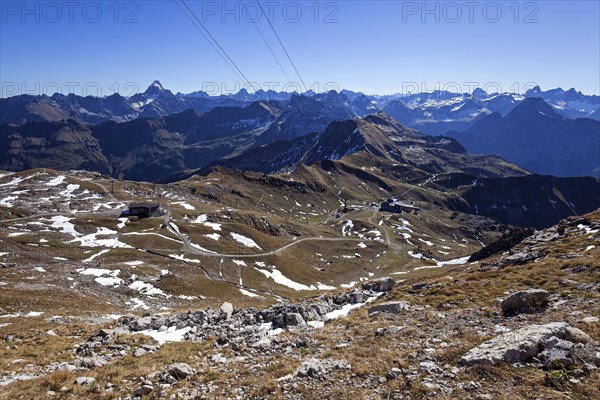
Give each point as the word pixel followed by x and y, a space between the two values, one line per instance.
pixel 525 300
pixel 180 371
pixel 392 307
pixel 513 347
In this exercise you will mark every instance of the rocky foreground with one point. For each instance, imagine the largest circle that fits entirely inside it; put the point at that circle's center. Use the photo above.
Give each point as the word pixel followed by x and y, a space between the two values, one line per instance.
pixel 521 324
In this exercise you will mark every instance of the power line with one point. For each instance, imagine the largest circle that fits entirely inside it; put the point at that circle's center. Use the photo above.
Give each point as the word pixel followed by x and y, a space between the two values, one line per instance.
pixel 281 43
pixel 224 54
pixel 268 45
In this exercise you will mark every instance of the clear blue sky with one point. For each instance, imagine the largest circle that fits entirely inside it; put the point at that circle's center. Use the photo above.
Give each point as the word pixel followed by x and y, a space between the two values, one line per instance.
pixel 375 47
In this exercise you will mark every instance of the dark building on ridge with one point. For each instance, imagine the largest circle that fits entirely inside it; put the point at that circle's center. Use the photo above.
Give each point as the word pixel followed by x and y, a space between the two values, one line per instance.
pixel 144 210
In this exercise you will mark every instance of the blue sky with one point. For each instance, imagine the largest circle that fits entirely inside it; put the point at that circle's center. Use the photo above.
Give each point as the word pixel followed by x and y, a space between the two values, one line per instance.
pixel 376 47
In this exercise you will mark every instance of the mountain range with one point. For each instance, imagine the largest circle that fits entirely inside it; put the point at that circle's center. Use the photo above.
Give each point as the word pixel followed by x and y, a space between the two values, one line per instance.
pixel 431 112
pixel 156 134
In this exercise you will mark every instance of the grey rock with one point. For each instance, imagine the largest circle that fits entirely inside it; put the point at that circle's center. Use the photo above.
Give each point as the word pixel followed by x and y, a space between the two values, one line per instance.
pixel 513 347
pixel 392 307
pixel 525 300
pixel 226 310
pixel 558 354
pixel 84 380
pixel 294 319
pixel 180 371
pixel 430 367
pixel 310 369
pixel 141 324
pixel 139 352
pixel 380 285
pixel 520 258
pixel 144 390
pixel 357 297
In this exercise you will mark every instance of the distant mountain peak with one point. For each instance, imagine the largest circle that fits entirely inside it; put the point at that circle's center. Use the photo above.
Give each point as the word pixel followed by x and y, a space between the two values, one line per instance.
pixel 479 93
pixel 534 91
pixel 155 88
pixel 534 105
pixel 156 84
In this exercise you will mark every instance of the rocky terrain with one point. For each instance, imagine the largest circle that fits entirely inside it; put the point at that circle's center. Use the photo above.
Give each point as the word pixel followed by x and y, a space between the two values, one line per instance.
pixel 521 324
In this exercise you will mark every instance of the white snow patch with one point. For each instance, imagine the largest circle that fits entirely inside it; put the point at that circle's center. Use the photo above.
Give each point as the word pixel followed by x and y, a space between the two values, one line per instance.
pixel 56 181
pixel 68 192
pixel 133 263
pixel 109 281
pixel 8 201
pixel 147 289
pixel 185 205
pixel 347 228
pixel 281 279
pixel 62 223
pixel 248 293
pixel 244 240
pixel 170 335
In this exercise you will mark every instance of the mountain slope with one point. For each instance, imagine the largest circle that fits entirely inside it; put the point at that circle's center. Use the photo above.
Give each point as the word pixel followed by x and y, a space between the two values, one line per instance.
pixel 536 137
pixel 379 136
pixel 65 145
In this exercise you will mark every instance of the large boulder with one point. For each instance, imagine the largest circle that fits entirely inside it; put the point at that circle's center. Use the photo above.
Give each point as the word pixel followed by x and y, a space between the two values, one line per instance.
pixel 226 310
pixel 180 371
pixel 525 300
pixel 514 347
pixel 141 324
pixel 380 285
pixel 519 258
pixel 294 319
pixel 392 307
pixel 310 369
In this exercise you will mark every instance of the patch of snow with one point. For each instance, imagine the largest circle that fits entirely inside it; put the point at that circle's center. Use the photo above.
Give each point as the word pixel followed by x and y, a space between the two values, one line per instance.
pixel 347 228
pixel 68 192
pixel 91 240
pixel 346 309
pixel 62 223
pixel 97 272
pixel 248 293
pixel 281 279
pixel 147 289
pixel 182 258
pixel 56 181
pixel 122 223
pixel 137 303
pixel 185 205
pixel 170 335
pixel 8 201
pixel 109 281
pixel 133 263
pixel 244 240
pixel 33 314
